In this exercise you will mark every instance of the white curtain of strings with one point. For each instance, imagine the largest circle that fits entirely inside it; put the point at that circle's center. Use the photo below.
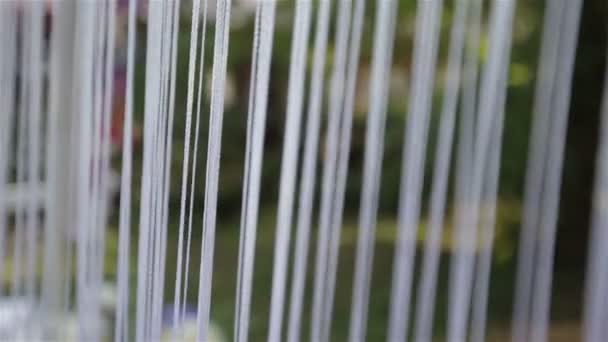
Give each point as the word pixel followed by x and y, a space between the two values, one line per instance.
pixel 55 160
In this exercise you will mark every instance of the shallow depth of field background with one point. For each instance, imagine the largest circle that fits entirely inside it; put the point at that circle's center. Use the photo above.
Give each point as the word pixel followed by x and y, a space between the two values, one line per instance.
pixel 576 189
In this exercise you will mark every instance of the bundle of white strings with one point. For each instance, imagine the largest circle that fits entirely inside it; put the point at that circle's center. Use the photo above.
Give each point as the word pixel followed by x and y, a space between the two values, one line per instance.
pixel 55 159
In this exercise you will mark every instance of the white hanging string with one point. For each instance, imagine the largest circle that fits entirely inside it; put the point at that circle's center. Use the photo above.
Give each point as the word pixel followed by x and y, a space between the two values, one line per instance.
pixel 309 167
pixel 216 114
pixel 423 65
pixel 35 131
pixel 346 120
pixel 7 105
pixel 466 230
pixel 425 304
pixel 295 98
pixel 488 219
pixel 83 86
pixel 121 333
pixel 260 77
pixel 187 133
pixel 194 161
pixel 336 92
pixel 541 296
pixel 596 285
pixel 535 167
pixel 384 33
pixel 155 278
pixel 172 18
pixel 59 161
pixel 151 105
pixel 22 152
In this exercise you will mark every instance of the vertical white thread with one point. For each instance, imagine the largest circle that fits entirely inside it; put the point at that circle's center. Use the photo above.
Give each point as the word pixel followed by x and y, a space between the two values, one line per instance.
pixel 425 54
pixel 121 333
pixel 425 303
pixel 262 47
pixel 295 97
pixel 466 231
pixel 336 92
pixel 309 166
pixel 384 32
pixel 218 83
pixel 596 279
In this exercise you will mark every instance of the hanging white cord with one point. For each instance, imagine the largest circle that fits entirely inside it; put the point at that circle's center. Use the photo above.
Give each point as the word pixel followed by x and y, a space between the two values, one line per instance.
pixel 262 47
pixel 104 181
pixel 541 297
pixel 346 120
pixel 425 303
pixel 596 286
pixel 187 133
pixel 199 102
pixel 151 106
pixel 309 168
pixel 35 132
pixel 336 92
pixel 535 167
pixel 295 98
pixel 83 86
pixel 466 231
pixel 488 219
pixel 425 54
pixel 384 33
pixel 7 105
pixel 216 113
pixel 121 333
pixel 22 152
